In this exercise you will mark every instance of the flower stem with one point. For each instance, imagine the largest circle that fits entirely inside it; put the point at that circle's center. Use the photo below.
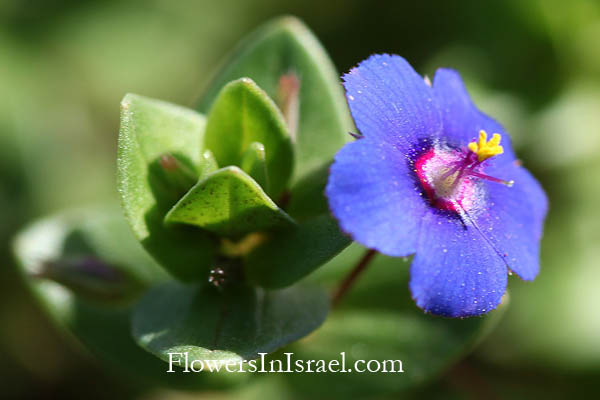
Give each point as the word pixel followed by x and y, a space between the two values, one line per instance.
pixel 351 278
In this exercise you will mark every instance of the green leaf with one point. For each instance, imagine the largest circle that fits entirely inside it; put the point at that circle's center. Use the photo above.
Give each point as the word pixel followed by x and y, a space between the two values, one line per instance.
pixel 100 233
pixel 307 197
pixel 291 255
pixel 242 114
pixel 424 345
pixel 226 325
pixel 282 48
pixel 378 320
pixel 230 203
pixel 103 329
pixel 156 137
pixel 254 164
pixel 209 163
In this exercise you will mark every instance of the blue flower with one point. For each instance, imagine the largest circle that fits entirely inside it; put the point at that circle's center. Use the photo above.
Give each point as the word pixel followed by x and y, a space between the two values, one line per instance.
pixel 423 179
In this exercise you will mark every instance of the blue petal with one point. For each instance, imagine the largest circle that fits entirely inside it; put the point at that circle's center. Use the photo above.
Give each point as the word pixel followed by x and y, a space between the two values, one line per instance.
pixel 389 101
pixel 514 219
pixel 455 273
pixel 373 196
pixel 462 120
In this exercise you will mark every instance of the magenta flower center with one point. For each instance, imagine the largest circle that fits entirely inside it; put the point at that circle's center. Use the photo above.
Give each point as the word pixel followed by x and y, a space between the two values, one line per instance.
pixel 451 178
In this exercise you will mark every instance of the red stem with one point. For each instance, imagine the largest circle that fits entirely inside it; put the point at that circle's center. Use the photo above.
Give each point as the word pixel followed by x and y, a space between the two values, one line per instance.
pixel 351 278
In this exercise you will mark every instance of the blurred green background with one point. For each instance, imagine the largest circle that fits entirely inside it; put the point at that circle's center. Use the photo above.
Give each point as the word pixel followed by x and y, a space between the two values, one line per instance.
pixel 534 65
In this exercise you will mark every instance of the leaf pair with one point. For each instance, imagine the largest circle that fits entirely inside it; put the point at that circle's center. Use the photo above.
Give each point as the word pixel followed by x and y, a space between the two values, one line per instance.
pixel 288 62
pixel 244 129
pixel 161 156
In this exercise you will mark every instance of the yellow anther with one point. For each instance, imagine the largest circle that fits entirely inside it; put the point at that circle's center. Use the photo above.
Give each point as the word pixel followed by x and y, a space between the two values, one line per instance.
pixel 485 149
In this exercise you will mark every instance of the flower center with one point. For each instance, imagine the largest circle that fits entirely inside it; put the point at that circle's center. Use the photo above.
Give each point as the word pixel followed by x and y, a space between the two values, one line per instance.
pixel 451 178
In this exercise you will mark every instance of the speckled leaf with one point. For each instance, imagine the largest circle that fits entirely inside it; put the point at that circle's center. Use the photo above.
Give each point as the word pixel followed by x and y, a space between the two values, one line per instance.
pixel 225 325
pixel 230 203
pixel 282 48
pixel 242 114
pixel 103 329
pixel 291 255
pixel 160 144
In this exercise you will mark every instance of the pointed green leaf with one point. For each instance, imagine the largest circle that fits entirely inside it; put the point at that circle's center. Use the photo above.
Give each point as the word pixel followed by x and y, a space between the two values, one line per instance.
pixel 104 329
pixel 282 48
pixel 254 164
pixel 291 255
pixel 225 325
pixel 159 148
pixel 242 114
pixel 230 203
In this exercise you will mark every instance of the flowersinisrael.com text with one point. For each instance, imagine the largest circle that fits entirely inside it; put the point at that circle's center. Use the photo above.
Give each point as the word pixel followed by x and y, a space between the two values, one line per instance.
pixel 286 365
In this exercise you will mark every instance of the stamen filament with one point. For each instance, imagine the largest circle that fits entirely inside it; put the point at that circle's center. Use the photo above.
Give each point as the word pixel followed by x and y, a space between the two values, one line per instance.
pixel 490 178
